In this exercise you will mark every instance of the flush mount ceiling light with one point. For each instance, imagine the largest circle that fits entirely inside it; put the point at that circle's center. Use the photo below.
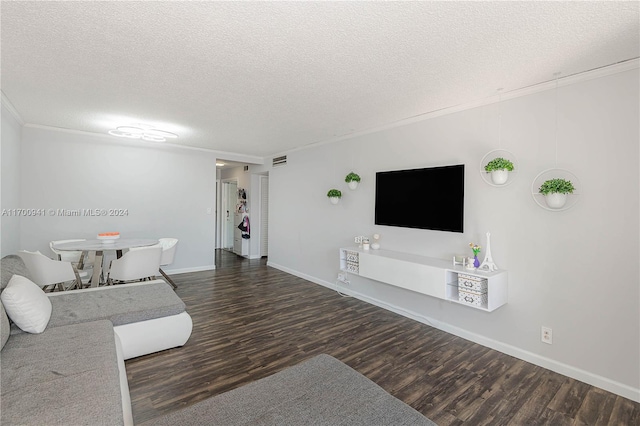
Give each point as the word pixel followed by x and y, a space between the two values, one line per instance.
pixel 142 131
pixel 219 164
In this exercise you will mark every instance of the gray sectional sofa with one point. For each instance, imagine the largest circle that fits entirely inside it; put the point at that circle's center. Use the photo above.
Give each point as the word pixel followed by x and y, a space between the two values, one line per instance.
pixel 73 372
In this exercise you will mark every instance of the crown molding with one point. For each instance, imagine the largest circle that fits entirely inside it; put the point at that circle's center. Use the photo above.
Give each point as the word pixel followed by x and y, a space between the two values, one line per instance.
pixel 516 93
pixel 103 137
pixel 9 106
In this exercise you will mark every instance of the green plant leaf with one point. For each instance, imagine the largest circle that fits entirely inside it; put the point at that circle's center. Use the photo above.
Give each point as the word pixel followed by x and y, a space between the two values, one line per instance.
pixel 352 177
pixel 334 193
pixel 556 186
pixel 499 163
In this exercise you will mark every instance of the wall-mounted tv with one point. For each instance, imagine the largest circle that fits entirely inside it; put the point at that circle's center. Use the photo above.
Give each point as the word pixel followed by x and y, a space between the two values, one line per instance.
pixel 430 198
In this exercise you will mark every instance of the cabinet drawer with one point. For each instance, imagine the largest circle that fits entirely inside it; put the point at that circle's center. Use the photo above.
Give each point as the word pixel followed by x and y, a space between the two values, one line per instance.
pixel 472 284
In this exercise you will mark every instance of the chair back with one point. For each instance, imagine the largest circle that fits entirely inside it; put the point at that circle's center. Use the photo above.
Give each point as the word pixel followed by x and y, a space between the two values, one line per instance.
pixel 72 256
pixel 169 246
pixel 45 271
pixel 136 264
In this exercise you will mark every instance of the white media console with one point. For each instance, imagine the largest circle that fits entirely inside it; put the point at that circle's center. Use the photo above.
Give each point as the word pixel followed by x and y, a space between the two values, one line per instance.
pixel 426 275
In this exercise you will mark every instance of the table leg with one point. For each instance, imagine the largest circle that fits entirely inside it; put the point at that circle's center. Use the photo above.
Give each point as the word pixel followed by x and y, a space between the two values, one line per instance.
pixel 81 261
pixel 97 269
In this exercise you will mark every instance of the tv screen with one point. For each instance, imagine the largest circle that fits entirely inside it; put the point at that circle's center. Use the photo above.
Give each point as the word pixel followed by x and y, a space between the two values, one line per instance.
pixel 430 198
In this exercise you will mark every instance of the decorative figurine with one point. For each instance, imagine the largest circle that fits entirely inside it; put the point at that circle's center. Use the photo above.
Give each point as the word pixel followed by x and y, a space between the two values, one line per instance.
pixel 487 263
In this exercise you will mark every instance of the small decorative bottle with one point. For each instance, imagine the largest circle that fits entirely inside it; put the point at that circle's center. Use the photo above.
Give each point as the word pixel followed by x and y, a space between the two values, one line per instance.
pixel 376 242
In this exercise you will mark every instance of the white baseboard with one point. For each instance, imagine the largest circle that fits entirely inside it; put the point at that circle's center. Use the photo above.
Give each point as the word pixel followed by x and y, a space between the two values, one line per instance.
pixel 185 270
pixel 550 364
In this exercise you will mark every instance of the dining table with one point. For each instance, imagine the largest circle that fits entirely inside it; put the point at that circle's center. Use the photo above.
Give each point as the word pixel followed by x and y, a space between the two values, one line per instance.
pixel 99 247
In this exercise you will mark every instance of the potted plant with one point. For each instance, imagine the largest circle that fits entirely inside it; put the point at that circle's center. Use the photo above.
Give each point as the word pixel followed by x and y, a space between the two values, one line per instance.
pixel 334 195
pixel 555 192
pixel 499 168
pixel 352 179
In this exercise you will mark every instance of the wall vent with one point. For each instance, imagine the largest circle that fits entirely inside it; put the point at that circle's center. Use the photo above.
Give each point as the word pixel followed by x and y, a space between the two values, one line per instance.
pixel 280 161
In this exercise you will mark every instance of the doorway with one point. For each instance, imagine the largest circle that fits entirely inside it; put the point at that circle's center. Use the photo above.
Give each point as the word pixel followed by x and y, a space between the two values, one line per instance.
pixel 229 198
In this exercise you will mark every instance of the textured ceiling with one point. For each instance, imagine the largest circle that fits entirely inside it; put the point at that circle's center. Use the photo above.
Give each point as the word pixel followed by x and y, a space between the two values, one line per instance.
pixel 262 78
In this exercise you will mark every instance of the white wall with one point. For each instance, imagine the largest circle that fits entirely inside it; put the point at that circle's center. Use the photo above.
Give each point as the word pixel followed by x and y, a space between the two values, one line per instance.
pixel 575 271
pixel 166 191
pixel 10 191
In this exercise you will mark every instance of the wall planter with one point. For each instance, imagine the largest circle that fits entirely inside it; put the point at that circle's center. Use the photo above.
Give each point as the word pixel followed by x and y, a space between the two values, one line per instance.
pixel 352 180
pixel 556 189
pixel 498 167
pixel 555 192
pixel 555 200
pixel 334 196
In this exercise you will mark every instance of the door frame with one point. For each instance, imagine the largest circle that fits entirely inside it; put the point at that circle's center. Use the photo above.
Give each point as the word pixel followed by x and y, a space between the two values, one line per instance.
pixel 226 207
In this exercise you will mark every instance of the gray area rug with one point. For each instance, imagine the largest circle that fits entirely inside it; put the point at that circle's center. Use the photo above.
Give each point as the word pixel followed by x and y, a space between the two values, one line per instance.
pixel 320 391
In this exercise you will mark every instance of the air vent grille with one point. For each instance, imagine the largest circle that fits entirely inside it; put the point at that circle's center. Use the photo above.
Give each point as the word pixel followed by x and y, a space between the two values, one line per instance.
pixel 280 161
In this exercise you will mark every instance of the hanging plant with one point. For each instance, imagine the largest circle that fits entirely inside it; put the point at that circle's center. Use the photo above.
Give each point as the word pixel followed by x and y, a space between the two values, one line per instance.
pixel 499 168
pixel 352 179
pixel 334 195
pixel 555 192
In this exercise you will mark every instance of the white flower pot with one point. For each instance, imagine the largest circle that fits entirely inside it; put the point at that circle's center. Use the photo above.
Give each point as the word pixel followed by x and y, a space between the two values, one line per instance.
pixel 334 200
pixel 555 200
pixel 353 184
pixel 499 177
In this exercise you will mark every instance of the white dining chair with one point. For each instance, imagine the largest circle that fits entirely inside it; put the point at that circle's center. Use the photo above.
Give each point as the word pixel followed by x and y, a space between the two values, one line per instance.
pixel 76 257
pixel 169 246
pixel 137 264
pixel 47 272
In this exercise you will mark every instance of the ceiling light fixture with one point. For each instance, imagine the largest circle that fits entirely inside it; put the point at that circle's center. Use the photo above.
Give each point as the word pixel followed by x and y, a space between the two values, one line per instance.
pixel 220 164
pixel 142 131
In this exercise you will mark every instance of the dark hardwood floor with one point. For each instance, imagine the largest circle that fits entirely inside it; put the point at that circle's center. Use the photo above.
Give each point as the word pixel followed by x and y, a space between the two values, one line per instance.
pixel 251 321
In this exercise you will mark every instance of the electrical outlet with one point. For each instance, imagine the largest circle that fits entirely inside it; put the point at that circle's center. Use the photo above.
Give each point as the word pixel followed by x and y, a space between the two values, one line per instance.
pixel 358 240
pixel 546 335
pixel 342 277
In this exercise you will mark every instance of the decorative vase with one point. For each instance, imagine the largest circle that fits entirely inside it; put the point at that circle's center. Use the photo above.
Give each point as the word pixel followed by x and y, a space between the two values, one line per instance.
pixel 334 200
pixel 499 177
pixel 476 262
pixel 353 184
pixel 555 200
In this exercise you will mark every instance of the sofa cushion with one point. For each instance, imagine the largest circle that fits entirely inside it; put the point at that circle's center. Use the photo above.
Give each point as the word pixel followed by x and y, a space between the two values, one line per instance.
pixel 4 327
pixel 64 376
pixel 9 266
pixel 26 304
pixel 121 304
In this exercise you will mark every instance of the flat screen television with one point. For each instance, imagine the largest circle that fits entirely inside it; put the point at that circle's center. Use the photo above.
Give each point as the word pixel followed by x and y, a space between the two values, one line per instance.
pixel 430 198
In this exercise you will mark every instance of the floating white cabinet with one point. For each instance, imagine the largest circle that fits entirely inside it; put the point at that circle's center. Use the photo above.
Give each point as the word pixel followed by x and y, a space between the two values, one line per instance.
pixel 425 275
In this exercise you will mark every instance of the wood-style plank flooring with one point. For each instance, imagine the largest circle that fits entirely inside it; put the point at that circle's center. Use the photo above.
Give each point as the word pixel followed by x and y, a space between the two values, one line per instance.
pixel 251 321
